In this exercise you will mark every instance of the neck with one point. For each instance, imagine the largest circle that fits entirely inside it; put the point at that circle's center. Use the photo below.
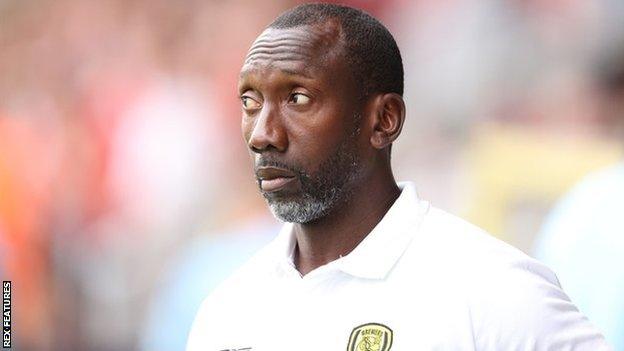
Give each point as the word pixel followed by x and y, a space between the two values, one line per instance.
pixel 338 233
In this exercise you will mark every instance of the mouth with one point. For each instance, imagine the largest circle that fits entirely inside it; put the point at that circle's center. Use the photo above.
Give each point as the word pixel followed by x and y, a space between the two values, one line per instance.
pixel 275 184
pixel 273 179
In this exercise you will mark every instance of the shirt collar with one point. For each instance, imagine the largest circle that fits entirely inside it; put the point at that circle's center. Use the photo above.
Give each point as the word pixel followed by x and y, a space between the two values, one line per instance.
pixel 375 256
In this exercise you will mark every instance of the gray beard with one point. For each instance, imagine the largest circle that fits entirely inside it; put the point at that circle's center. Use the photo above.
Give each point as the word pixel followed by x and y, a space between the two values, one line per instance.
pixel 322 192
pixel 305 211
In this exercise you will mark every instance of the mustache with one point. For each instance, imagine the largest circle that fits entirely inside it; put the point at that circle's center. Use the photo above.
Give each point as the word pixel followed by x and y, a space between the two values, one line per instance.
pixel 268 161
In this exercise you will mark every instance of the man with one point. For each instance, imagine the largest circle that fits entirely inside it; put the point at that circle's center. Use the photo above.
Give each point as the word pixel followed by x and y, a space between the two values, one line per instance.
pixel 362 263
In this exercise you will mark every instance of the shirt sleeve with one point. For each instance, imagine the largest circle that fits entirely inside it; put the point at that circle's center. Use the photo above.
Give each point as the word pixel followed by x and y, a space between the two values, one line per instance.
pixel 522 307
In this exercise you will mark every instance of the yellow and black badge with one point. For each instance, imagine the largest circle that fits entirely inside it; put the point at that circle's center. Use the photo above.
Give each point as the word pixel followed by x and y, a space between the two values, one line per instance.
pixel 370 337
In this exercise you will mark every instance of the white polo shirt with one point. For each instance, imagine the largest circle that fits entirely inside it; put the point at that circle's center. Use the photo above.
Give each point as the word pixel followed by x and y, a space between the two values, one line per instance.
pixel 421 280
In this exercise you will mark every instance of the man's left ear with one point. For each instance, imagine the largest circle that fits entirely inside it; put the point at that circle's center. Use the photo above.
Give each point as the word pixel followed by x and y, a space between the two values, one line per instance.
pixel 389 115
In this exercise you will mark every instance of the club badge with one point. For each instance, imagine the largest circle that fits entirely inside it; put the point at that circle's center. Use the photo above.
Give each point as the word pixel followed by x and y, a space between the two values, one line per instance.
pixel 370 337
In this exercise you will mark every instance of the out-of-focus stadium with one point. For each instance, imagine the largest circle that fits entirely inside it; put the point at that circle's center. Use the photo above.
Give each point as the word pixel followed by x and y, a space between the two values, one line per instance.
pixel 126 190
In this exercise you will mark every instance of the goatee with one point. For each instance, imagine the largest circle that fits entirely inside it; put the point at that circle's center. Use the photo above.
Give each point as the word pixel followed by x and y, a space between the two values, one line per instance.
pixel 322 191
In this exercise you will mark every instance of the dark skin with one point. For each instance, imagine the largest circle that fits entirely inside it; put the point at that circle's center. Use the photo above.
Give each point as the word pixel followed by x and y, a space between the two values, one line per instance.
pixel 299 100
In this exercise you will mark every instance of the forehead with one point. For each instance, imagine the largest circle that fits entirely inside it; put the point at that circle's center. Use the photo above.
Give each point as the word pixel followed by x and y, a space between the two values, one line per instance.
pixel 298 50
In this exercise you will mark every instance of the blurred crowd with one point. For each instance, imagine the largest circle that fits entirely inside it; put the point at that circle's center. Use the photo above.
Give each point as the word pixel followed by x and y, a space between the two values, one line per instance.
pixel 126 192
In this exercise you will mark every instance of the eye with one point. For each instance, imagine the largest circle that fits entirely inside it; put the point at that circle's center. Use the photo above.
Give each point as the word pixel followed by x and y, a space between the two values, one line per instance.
pixel 299 99
pixel 249 103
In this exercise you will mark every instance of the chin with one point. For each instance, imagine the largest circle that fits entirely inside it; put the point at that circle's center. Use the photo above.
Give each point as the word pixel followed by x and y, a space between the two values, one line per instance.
pixel 298 212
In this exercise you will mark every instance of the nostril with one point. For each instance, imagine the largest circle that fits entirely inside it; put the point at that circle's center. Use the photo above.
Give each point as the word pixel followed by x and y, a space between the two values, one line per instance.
pixel 255 149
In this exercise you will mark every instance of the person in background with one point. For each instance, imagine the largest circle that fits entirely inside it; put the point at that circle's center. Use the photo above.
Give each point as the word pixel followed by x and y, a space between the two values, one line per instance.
pixel 582 239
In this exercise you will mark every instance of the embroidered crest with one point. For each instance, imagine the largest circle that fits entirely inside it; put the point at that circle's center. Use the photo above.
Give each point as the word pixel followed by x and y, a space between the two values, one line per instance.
pixel 370 337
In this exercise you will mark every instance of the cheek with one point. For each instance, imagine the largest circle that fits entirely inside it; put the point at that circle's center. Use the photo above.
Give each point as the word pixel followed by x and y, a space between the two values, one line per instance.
pixel 313 143
pixel 246 128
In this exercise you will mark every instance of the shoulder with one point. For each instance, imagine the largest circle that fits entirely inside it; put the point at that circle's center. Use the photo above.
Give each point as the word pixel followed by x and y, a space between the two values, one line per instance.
pixel 514 301
pixel 231 300
pixel 463 246
pixel 521 305
pixel 457 249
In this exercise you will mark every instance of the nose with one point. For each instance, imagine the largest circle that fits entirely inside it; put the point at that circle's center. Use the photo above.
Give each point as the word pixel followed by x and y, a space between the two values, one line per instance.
pixel 267 131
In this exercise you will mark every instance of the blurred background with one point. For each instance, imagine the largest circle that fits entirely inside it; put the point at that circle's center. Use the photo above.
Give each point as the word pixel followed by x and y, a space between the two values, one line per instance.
pixel 126 192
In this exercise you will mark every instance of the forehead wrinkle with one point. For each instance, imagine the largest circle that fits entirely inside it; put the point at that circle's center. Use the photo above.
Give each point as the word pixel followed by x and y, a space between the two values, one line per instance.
pixel 272 42
pixel 254 67
pixel 305 46
pixel 271 35
pixel 271 39
pixel 292 46
pixel 279 47
pixel 281 52
pixel 272 58
pixel 309 39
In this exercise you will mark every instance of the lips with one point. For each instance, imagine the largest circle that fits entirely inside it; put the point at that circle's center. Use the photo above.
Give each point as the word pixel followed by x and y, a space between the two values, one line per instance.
pixel 272 179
